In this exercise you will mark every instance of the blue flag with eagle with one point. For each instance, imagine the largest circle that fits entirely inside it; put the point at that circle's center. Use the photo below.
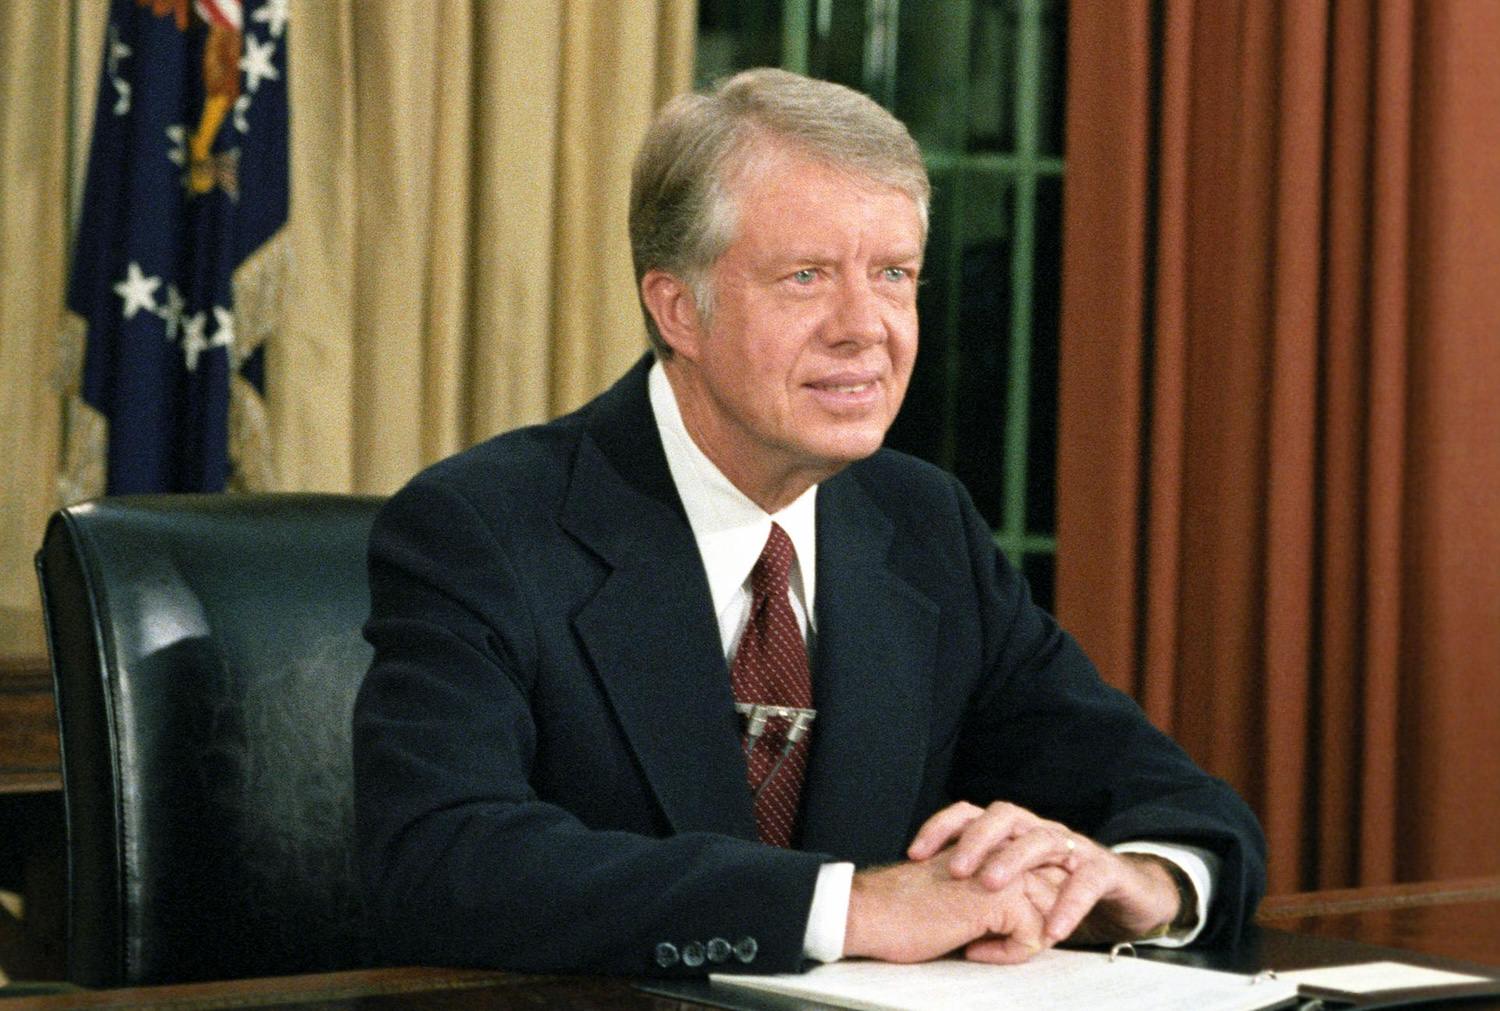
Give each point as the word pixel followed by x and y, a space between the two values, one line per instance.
pixel 179 260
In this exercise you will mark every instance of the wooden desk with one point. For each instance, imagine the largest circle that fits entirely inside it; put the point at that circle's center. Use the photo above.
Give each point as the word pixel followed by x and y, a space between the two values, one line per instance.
pixel 1453 920
pixel 29 757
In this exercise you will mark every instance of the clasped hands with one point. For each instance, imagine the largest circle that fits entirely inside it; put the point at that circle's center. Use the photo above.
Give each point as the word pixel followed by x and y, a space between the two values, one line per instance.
pixel 1002 884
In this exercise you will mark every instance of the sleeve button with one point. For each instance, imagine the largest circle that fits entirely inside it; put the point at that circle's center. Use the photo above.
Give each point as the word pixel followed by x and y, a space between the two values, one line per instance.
pixel 745 949
pixel 718 950
pixel 666 954
pixel 692 954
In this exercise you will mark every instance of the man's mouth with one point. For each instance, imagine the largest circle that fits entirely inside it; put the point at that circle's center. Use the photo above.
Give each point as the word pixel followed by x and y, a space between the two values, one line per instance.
pixel 846 392
pixel 844 387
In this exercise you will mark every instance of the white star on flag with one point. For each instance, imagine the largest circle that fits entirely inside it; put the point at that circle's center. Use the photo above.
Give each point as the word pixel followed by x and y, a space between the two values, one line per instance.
pixel 171 311
pixel 242 106
pixel 224 336
pixel 193 342
pixel 122 103
pixel 117 51
pixel 256 63
pixel 177 134
pixel 273 14
pixel 138 291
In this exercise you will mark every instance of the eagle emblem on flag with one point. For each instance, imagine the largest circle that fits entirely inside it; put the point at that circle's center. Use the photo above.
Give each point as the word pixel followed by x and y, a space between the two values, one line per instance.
pixel 179 256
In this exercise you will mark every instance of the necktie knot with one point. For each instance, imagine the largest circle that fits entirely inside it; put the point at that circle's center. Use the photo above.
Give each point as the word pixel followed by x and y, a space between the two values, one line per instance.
pixel 770 575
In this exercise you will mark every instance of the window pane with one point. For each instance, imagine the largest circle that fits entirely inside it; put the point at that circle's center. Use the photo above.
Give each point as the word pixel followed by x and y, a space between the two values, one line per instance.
pixel 992 76
pixel 983 340
pixel 1054 79
pixel 922 427
pixel 1046 308
pixel 733 35
pixel 930 85
pixel 1040 570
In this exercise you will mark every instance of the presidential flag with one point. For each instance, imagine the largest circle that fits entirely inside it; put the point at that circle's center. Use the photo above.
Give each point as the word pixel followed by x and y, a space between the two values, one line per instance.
pixel 178 262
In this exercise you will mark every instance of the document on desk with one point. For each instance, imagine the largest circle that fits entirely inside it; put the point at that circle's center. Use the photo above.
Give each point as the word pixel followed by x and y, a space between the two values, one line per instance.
pixel 1378 977
pixel 1072 980
pixel 1390 985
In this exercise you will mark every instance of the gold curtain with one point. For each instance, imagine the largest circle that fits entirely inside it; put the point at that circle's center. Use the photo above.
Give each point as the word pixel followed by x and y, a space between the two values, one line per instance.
pixel 39 109
pixel 459 260
pixel 1279 478
pixel 460 264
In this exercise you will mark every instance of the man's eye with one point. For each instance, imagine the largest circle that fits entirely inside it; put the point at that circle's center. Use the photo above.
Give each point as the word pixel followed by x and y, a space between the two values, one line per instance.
pixel 805 276
pixel 896 273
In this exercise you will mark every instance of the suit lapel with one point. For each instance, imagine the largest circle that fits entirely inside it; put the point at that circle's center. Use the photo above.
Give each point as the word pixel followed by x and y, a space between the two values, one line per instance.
pixel 876 644
pixel 650 630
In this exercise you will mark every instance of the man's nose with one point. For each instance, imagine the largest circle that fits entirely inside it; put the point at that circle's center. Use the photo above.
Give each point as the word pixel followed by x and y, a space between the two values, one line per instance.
pixel 859 318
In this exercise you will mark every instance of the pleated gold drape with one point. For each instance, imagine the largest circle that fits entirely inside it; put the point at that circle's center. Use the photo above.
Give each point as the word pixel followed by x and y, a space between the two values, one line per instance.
pixel 1279 479
pixel 460 266
pixel 36 45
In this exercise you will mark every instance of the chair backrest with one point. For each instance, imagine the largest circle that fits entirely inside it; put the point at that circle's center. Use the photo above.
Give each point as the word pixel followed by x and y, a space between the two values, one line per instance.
pixel 206 651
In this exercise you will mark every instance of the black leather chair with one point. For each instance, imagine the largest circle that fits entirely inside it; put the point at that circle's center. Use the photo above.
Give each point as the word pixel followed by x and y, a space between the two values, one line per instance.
pixel 206 651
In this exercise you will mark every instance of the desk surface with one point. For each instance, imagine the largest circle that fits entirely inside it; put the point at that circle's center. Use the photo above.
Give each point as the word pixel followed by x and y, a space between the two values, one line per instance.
pixel 1457 920
pixel 1449 919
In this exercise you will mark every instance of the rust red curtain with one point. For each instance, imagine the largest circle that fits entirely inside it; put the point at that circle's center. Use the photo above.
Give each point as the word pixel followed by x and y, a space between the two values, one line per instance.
pixel 1279 471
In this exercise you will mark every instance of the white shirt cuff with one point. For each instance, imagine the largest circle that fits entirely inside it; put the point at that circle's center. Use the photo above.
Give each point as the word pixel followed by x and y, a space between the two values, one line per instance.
pixel 1201 867
pixel 824 940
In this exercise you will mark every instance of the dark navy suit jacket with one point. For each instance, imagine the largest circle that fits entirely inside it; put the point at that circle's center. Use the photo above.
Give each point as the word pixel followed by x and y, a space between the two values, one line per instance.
pixel 547 759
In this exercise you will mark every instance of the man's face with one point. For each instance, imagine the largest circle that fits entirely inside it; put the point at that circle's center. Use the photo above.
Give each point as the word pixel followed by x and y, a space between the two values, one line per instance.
pixel 814 327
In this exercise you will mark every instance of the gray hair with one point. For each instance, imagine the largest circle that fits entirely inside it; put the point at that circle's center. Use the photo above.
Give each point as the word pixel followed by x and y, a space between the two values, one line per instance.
pixel 682 211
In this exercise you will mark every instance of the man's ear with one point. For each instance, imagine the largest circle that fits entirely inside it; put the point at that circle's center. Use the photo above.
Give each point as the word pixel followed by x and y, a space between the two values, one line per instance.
pixel 670 301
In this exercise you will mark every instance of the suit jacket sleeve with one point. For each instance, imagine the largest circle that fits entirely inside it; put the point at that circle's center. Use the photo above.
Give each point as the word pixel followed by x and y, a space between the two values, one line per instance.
pixel 1045 732
pixel 464 861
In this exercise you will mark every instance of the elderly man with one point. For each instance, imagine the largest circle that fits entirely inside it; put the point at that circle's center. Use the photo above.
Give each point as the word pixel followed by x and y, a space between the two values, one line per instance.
pixel 701 678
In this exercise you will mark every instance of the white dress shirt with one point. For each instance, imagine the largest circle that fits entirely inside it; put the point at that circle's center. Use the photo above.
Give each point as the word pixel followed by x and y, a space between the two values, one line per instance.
pixel 731 531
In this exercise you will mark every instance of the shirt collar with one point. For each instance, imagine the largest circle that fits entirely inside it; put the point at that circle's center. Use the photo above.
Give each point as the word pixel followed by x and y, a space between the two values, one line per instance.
pixel 730 529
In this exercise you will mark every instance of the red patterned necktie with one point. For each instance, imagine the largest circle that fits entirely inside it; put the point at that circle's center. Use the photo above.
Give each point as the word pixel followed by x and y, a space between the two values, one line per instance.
pixel 770 667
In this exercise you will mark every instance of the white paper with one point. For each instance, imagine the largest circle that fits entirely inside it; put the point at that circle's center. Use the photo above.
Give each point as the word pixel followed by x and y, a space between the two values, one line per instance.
pixel 1071 980
pixel 1373 977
